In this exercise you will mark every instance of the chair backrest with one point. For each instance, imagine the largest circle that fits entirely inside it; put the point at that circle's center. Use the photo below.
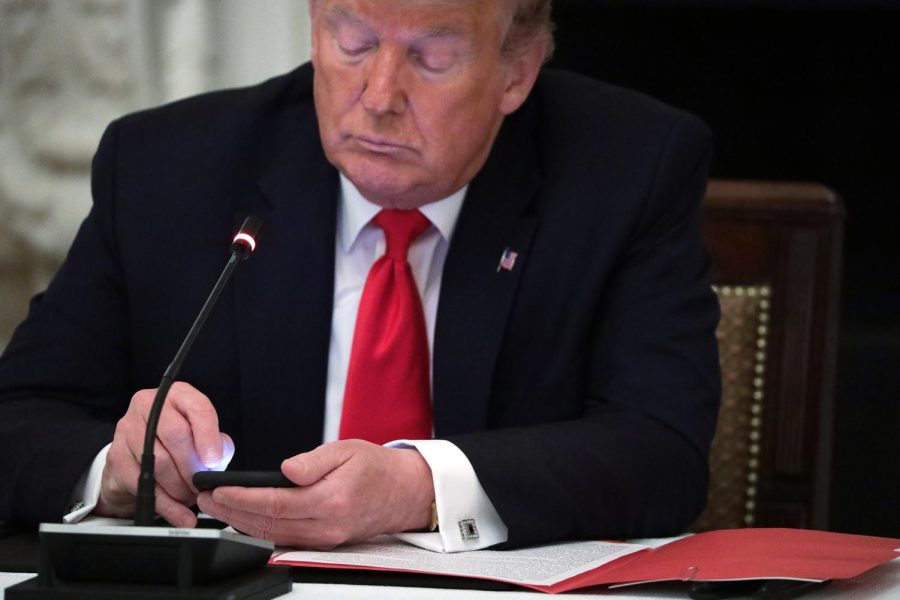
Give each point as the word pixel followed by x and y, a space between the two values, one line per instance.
pixel 776 251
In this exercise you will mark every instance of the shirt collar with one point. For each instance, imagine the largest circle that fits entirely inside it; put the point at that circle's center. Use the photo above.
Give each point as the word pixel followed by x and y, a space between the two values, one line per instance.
pixel 355 212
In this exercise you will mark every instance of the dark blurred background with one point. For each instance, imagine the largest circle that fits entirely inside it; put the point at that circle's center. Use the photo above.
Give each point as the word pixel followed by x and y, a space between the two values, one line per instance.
pixel 794 90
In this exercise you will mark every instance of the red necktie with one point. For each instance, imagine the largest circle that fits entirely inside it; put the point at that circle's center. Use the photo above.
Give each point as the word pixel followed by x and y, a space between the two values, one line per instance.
pixel 388 391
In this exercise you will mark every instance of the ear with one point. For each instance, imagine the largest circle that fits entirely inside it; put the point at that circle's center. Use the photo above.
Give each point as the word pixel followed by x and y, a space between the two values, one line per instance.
pixel 521 73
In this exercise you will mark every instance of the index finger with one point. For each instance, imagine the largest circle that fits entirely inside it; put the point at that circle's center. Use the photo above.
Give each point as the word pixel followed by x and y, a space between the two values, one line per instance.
pixel 201 415
pixel 277 503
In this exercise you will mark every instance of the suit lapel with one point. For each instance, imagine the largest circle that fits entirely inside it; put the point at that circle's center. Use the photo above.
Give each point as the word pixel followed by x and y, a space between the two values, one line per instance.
pixel 284 297
pixel 476 296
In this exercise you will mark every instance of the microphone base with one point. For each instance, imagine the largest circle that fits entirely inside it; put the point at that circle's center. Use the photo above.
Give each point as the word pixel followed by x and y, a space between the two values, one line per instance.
pixel 126 562
pixel 270 582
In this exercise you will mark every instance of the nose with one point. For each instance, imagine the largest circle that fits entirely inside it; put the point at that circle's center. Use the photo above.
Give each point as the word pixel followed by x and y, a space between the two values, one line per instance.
pixel 383 91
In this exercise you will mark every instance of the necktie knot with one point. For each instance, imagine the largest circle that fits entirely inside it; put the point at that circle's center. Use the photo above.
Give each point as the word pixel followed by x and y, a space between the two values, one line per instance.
pixel 400 227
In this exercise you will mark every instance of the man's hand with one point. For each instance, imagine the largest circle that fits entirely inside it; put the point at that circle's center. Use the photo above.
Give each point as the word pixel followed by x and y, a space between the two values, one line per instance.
pixel 349 491
pixel 187 440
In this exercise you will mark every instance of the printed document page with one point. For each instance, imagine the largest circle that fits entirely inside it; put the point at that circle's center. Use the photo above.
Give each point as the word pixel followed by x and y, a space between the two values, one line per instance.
pixel 541 565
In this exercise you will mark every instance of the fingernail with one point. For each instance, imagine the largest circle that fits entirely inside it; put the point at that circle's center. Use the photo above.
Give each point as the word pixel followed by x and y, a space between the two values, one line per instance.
pixel 211 458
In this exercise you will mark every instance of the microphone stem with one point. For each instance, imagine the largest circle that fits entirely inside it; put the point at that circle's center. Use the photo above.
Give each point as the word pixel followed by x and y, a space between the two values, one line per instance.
pixel 145 502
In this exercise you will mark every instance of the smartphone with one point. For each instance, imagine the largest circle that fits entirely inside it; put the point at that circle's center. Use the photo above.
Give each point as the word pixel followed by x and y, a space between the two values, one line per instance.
pixel 208 480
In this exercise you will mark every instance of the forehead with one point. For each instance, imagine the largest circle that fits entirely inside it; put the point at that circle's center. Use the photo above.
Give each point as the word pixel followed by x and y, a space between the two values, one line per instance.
pixel 460 17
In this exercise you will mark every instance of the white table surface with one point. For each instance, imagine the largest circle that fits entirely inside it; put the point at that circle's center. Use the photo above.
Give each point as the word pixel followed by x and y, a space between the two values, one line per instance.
pixel 881 583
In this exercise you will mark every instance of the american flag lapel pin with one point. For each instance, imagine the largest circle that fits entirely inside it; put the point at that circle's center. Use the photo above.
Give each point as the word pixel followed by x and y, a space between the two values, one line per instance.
pixel 507 260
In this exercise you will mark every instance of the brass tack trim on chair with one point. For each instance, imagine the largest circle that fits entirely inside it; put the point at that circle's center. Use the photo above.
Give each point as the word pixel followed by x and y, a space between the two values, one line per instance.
pixel 763 293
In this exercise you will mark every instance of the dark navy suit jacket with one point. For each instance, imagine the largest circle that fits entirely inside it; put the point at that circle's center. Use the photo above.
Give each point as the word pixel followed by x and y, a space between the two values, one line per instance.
pixel 582 384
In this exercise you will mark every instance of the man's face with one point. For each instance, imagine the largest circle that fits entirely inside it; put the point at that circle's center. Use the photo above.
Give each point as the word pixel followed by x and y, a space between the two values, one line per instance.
pixel 410 94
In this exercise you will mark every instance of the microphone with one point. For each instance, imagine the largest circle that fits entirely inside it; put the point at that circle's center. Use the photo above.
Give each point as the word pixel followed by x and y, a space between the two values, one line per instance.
pixel 242 246
pixel 123 562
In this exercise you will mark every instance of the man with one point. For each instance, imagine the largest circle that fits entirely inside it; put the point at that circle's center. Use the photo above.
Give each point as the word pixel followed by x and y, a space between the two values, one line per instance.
pixel 563 283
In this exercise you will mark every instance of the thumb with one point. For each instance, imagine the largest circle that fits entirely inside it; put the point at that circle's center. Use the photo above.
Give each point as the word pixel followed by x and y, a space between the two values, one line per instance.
pixel 227 454
pixel 310 467
pixel 227 449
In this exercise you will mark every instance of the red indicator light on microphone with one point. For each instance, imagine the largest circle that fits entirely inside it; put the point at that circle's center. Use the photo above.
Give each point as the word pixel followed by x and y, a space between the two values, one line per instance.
pixel 245 241
pixel 243 238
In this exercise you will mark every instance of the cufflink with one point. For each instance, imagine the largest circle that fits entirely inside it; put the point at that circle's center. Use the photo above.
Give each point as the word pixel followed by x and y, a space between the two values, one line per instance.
pixel 467 529
pixel 77 506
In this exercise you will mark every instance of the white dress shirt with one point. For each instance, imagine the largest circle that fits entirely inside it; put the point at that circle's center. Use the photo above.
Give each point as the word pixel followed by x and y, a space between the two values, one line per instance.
pixel 467 518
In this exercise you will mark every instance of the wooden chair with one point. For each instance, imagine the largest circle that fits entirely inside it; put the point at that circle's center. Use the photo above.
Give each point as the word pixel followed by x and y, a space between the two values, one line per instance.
pixel 776 251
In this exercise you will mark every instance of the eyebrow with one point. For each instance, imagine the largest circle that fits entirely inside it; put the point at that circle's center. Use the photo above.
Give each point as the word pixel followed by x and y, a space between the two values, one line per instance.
pixel 443 31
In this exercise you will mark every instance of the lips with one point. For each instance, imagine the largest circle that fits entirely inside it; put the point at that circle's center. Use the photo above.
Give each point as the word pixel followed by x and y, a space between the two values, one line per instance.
pixel 380 145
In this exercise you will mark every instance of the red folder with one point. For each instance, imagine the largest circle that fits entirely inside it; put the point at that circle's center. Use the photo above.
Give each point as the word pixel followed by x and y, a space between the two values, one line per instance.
pixel 735 554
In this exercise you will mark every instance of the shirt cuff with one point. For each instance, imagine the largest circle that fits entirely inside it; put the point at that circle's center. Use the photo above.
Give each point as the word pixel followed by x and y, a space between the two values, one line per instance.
pixel 87 491
pixel 466 516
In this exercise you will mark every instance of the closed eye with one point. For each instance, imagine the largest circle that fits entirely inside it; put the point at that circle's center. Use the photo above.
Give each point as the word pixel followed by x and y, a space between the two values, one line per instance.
pixel 432 64
pixel 351 37
pixel 354 51
pixel 436 55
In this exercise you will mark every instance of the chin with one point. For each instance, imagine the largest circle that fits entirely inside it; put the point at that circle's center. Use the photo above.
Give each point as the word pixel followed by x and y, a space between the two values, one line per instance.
pixel 388 196
pixel 385 188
